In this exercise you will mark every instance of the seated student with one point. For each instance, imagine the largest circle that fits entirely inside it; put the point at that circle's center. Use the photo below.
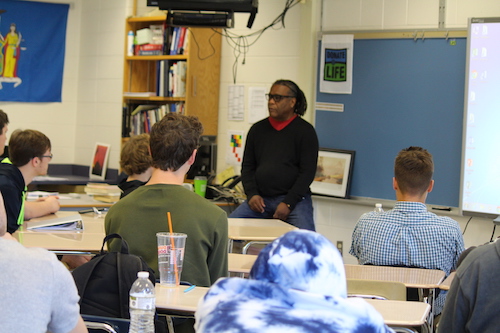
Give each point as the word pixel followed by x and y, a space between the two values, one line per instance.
pixel 38 294
pixel 143 213
pixel 135 161
pixel 297 284
pixel 4 121
pixel 409 235
pixel 29 152
pixel 471 304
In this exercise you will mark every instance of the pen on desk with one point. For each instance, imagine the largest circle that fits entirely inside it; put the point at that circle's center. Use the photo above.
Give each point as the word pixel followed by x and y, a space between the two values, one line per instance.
pixel 189 288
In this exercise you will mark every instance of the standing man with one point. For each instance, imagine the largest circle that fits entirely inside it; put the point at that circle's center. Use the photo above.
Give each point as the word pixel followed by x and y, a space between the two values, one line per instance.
pixel 280 159
pixel 29 156
pixel 409 235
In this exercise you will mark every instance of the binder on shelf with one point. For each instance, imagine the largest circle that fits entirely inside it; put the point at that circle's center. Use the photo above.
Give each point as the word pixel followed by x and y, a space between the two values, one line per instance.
pixel 172 43
pixel 143 107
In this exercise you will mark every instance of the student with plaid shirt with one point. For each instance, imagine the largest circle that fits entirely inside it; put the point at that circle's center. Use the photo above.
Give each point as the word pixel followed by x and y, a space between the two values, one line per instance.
pixel 409 235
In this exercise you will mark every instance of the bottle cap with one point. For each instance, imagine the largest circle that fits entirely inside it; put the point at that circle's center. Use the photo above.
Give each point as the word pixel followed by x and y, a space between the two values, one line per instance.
pixel 143 274
pixel 378 205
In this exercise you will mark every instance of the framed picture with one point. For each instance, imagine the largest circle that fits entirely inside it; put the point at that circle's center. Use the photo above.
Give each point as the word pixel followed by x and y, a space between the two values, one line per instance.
pixel 99 162
pixel 333 173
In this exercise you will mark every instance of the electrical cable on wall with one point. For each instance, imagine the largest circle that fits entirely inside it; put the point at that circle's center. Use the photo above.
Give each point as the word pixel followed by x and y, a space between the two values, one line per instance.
pixel 466 225
pixel 240 43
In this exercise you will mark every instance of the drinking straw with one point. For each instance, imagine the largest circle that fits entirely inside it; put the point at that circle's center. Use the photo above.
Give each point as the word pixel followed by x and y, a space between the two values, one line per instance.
pixel 172 244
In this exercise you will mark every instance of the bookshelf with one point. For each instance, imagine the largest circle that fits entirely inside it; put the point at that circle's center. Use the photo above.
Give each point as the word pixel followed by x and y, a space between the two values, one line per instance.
pixel 202 76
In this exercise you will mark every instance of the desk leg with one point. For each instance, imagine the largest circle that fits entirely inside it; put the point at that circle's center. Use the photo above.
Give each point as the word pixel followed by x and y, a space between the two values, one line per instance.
pixel 247 245
pixel 430 301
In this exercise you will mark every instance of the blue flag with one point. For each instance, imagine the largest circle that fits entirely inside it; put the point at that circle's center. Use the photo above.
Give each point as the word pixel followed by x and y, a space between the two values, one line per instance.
pixel 32 47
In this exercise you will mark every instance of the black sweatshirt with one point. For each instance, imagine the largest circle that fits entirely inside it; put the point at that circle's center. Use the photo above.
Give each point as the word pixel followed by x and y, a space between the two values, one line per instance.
pixel 280 162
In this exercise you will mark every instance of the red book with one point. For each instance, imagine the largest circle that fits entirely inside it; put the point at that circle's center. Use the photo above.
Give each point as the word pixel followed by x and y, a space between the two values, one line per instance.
pixel 180 48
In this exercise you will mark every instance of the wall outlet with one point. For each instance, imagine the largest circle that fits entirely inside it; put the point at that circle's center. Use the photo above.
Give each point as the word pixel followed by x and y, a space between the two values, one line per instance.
pixel 340 247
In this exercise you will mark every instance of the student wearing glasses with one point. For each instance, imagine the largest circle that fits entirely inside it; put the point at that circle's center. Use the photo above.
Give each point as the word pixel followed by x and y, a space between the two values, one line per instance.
pixel 280 159
pixel 29 156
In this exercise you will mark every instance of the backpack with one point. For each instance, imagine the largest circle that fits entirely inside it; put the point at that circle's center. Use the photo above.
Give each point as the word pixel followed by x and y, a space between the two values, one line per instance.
pixel 104 282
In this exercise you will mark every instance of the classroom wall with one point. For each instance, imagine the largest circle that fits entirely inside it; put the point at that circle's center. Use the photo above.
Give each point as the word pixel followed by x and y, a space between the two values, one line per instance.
pixel 279 56
pixel 100 78
pixel 91 108
pixel 336 218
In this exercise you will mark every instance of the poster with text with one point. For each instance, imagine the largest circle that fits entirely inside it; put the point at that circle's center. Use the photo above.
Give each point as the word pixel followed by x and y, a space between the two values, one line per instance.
pixel 336 64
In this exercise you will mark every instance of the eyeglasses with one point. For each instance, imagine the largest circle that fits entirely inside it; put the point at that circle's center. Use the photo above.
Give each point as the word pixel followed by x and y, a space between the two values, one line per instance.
pixel 277 98
pixel 48 156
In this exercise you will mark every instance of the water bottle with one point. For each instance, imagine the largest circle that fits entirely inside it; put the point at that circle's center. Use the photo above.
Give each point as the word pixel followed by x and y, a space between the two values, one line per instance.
pixel 130 43
pixel 142 305
pixel 378 208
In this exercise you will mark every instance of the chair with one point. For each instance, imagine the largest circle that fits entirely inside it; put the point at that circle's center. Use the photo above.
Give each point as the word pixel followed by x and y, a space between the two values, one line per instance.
pixel 376 289
pixel 97 324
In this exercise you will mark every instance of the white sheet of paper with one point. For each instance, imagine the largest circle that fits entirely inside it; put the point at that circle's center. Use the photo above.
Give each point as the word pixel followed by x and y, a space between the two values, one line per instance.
pixel 236 100
pixel 257 104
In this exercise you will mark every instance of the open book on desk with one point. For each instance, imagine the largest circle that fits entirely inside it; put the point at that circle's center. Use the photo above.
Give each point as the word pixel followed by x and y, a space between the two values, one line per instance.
pixel 72 222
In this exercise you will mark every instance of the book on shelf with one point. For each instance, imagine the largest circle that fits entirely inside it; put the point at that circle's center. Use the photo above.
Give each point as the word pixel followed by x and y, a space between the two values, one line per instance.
pixel 160 39
pixel 107 198
pixel 179 79
pixel 143 107
pixel 143 121
pixel 182 38
pixel 149 49
pixel 102 189
pixel 157 34
pixel 175 35
pixel 167 39
pixel 139 94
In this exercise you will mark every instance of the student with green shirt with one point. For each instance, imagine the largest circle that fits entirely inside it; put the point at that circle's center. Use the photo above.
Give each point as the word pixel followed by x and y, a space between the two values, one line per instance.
pixel 141 214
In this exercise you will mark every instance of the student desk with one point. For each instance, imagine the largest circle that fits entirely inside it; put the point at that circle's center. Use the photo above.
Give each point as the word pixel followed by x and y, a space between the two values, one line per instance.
pixel 395 313
pixel 89 240
pixel 401 313
pixel 446 284
pixel 68 201
pixel 240 263
pixel 81 200
pixel 256 230
pixel 411 277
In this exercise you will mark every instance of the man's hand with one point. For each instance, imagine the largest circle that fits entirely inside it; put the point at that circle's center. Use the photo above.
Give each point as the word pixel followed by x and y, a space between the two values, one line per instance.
pixel 282 212
pixel 74 261
pixel 9 236
pixel 51 202
pixel 256 203
pixel 41 207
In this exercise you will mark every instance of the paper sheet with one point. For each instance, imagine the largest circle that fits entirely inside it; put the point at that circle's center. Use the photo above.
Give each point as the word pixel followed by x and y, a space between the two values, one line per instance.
pixel 257 104
pixel 236 99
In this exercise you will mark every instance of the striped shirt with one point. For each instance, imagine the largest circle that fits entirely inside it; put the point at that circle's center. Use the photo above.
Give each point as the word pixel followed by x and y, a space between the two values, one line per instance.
pixel 408 235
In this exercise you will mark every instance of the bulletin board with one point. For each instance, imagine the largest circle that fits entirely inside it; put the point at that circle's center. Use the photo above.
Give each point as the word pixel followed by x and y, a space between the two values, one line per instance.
pixel 406 92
